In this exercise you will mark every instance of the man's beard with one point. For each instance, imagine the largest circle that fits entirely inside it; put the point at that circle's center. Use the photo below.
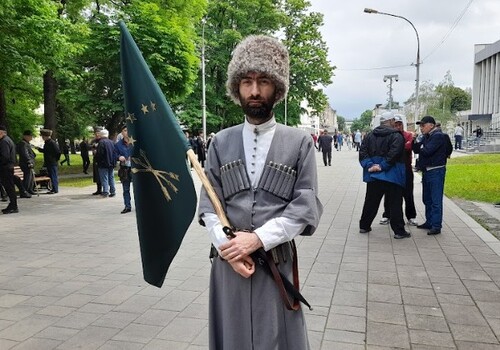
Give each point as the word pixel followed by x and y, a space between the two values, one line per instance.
pixel 262 111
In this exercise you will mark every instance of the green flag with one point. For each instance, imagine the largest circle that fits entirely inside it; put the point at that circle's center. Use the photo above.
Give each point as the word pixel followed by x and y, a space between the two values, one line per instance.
pixel 164 193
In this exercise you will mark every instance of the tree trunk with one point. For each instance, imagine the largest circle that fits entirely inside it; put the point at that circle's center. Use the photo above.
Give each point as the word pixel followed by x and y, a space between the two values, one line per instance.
pixel 49 102
pixel 3 108
pixel 114 124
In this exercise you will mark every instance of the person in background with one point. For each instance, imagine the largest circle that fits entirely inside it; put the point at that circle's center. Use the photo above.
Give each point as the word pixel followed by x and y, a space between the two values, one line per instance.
pixel 357 139
pixel 459 134
pixel 7 163
pixel 95 169
pixel 65 152
pixel 84 153
pixel 27 160
pixel 106 161
pixel 325 145
pixel 123 152
pixel 410 211
pixel 382 157
pixel 51 156
pixel 433 148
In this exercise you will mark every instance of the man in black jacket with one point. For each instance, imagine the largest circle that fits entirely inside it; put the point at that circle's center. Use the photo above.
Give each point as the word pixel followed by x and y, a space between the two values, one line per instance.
pixel 325 145
pixel 382 157
pixel 26 160
pixel 7 162
pixel 106 161
pixel 433 148
pixel 51 155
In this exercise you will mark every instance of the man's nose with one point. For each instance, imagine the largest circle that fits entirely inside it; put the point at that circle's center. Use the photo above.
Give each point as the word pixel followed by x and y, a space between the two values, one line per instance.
pixel 255 89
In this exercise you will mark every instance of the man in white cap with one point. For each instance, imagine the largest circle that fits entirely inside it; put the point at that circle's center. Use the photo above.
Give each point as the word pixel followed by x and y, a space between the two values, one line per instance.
pixel 265 175
pixel 381 156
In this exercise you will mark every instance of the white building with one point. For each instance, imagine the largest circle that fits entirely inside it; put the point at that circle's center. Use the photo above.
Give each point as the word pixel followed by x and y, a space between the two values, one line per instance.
pixel 486 87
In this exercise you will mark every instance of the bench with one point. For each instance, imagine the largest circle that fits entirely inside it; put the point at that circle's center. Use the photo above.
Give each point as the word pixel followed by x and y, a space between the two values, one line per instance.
pixel 39 180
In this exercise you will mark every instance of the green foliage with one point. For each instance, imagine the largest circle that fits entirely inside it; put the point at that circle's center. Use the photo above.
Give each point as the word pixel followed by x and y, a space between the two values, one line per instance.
pixel 475 177
pixel 363 122
pixel 341 123
pixel 227 22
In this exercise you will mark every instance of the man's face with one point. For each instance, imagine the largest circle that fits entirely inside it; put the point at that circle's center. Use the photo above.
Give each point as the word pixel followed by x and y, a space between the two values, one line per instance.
pixel 399 126
pixel 426 128
pixel 28 138
pixel 257 95
pixel 2 134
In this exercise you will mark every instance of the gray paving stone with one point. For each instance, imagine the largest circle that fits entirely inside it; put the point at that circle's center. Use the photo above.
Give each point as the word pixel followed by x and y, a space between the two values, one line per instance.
pixel 138 333
pixel 426 322
pixel 462 314
pixel 476 334
pixel 380 293
pixel 89 338
pixel 37 344
pixel 386 313
pixel 383 334
pixel 342 336
pixel 427 337
pixel 346 323
pixel 384 293
pixel 183 329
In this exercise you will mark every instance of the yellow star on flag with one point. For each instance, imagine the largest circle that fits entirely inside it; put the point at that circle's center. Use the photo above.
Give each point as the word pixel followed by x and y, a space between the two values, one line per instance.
pixel 144 109
pixel 153 105
pixel 131 140
pixel 131 117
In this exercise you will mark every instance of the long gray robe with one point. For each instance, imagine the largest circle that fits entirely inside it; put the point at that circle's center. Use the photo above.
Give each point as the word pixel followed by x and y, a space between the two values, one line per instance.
pixel 249 314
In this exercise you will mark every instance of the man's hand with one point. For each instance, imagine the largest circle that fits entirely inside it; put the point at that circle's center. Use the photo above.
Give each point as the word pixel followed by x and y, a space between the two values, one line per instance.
pixel 374 168
pixel 244 267
pixel 240 247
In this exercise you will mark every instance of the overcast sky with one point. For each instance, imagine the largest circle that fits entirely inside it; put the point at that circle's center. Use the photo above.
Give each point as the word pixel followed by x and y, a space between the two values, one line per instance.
pixel 357 40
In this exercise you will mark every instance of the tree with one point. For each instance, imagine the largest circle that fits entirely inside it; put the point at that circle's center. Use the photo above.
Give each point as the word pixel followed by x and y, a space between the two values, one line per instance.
pixel 166 37
pixel 309 66
pixel 26 27
pixel 226 23
pixel 341 123
pixel 364 121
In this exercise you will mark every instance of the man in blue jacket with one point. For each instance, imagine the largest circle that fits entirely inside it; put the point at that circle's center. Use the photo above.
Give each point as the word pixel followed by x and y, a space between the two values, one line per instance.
pixel 433 148
pixel 382 157
pixel 106 161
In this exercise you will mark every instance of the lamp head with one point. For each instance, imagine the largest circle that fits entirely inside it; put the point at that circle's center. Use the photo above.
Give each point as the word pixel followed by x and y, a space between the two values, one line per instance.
pixel 367 10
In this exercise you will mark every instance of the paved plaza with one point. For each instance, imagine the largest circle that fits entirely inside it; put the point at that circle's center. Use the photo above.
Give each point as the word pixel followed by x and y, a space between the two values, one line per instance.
pixel 70 278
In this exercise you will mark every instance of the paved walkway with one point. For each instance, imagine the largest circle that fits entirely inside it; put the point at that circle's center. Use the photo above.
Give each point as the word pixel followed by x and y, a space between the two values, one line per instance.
pixel 70 278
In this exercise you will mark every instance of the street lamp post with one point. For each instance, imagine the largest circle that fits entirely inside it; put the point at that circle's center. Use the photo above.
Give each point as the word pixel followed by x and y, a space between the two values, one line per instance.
pixel 417 63
pixel 390 77
pixel 203 97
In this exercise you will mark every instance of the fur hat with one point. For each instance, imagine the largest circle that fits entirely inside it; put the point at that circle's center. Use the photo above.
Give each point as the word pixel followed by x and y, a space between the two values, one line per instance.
pixel 260 54
pixel 46 132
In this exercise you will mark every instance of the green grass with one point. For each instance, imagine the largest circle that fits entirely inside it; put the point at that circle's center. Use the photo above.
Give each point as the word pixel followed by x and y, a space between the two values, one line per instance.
pixel 474 177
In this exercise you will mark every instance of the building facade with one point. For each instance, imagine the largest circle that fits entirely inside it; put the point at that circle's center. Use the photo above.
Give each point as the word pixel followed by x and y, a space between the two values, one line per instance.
pixel 486 87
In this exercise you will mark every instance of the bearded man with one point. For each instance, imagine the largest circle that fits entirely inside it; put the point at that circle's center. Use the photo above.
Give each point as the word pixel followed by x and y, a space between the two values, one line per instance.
pixel 265 175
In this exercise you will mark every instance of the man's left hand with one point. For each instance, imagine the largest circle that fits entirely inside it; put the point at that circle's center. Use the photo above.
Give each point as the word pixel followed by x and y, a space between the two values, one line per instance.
pixel 241 246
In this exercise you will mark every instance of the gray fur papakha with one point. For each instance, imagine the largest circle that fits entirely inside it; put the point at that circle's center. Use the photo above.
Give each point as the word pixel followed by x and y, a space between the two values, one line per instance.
pixel 259 54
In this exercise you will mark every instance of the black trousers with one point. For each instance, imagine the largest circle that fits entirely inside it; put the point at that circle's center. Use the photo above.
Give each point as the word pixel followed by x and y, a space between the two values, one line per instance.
pixel 7 179
pixel 327 156
pixel 27 177
pixel 375 190
pixel 410 211
pixel 86 163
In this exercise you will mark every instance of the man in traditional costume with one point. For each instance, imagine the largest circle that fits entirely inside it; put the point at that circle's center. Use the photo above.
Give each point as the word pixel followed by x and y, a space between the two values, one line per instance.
pixel 265 175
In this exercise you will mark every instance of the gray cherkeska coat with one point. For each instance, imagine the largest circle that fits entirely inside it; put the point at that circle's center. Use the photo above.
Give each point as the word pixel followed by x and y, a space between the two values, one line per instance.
pixel 249 314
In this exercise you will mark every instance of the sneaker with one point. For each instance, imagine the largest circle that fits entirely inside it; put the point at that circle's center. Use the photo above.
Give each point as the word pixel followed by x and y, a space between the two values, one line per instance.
pixel 126 210
pixel 384 221
pixel 412 222
pixel 434 231
pixel 96 193
pixel 364 230
pixel 402 235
